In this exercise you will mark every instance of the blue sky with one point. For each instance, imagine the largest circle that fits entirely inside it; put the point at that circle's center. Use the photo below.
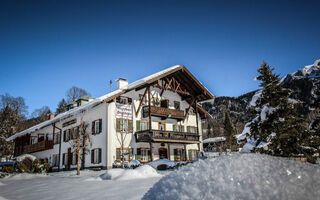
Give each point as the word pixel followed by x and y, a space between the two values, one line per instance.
pixel 47 47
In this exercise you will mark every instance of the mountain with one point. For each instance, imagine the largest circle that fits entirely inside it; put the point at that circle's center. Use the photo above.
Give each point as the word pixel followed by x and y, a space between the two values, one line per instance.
pixel 303 83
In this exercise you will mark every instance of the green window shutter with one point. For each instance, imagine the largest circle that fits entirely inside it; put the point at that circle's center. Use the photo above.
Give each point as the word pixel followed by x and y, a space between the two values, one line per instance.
pixel 64 135
pixel 130 124
pixel 118 156
pixel 92 127
pixel 118 124
pixel 100 155
pixel 92 156
pixel 190 154
pixel 131 154
pixel 138 125
pixel 174 127
pixel 188 129
pixel 175 153
pixel 149 155
pixel 139 154
pixel 100 125
pixel 182 128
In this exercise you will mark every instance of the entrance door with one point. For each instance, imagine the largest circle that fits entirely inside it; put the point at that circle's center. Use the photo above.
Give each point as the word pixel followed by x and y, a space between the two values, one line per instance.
pixel 163 153
pixel 69 158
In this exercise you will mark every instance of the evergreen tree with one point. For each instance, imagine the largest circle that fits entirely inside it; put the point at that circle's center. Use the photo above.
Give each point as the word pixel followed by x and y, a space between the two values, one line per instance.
pixel 277 122
pixel 62 106
pixel 230 131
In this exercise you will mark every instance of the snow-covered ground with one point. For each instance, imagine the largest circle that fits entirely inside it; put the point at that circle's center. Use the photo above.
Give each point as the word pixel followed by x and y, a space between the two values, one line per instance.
pixel 111 184
pixel 240 176
pixel 235 176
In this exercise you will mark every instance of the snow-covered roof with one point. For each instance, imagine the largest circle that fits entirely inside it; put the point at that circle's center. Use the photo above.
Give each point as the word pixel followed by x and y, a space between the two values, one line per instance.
pixel 214 139
pixel 106 98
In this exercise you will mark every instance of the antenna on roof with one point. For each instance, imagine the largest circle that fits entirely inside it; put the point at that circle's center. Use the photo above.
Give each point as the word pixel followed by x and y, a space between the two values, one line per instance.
pixel 110 85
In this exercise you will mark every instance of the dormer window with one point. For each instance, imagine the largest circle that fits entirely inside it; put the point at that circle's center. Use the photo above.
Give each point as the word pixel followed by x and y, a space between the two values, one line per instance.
pixel 124 100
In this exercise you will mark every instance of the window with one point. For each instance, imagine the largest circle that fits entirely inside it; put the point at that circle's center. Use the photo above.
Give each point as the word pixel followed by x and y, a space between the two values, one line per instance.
pixel 143 154
pixel 65 159
pixel 142 125
pixel 97 126
pixel 125 152
pixel 40 137
pixel 124 125
pixel 75 132
pixel 162 126
pixel 33 139
pixel 178 128
pixel 74 158
pixel 192 129
pixel 55 160
pixel 155 101
pixel 179 154
pixel 192 154
pixel 124 100
pixel 56 139
pixel 177 105
pixel 164 103
pixel 96 156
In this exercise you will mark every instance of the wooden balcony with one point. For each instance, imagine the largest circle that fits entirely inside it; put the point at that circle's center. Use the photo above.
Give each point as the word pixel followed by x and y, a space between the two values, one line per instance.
pixel 166 136
pixel 40 146
pixel 163 112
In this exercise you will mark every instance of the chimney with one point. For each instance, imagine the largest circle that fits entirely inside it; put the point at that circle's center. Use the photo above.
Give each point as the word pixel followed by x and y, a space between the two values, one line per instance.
pixel 51 116
pixel 121 82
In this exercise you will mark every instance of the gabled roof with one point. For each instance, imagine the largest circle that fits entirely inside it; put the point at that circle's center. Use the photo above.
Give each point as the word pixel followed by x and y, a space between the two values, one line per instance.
pixel 179 71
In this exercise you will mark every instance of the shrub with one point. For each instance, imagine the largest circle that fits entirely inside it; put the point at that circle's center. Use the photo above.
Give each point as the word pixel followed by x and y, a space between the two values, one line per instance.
pixel 8 169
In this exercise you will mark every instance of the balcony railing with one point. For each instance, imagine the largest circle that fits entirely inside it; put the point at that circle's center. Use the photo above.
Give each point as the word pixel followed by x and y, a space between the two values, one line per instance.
pixel 166 136
pixel 40 146
pixel 163 112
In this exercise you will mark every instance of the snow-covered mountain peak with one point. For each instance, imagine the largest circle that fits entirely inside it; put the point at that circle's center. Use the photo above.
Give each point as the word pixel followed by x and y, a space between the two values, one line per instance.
pixel 309 71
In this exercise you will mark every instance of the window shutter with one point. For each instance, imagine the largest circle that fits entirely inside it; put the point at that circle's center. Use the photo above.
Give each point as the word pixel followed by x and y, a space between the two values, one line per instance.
pixel 174 127
pixel 92 156
pixel 100 125
pixel 190 154
pixel 188 129
pixel 149 155
pixel 92 127
pixel 175 152
pixel 64 135
pixel 138 125
pixel 118 154
pixel 71 133
pixel 118 124
pixel 182 128
pixel 130 154
pixel 130 124
pixel 63 158
pixel 139 154
pixel 100 155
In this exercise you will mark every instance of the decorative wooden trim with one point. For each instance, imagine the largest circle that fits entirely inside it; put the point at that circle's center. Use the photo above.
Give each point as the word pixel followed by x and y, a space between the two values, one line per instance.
pixel 141 101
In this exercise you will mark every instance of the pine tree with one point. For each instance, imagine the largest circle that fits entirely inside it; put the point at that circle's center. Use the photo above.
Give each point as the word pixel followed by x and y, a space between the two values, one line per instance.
pixel 277 122
pixel 62 106
pixel 230 131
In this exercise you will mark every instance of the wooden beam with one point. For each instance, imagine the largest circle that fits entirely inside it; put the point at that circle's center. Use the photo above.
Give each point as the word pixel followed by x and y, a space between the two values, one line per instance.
pixel 140 104
pixel 187 112
pixel 149 104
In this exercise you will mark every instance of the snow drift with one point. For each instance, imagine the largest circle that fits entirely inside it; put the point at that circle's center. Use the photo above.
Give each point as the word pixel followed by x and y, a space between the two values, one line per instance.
pixel 144 171
pixel 240 176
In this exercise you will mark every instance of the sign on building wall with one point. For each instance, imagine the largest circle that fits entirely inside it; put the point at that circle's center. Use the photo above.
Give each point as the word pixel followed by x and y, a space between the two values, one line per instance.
pixel 123 111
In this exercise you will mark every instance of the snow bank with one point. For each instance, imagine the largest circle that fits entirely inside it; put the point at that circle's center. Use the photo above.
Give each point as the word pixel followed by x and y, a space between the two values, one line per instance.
pixel 215 139
pixel 141 172
pixel 23 156
pixel 23 176
pixel 133 163
pixel 167 162
pixel 240 176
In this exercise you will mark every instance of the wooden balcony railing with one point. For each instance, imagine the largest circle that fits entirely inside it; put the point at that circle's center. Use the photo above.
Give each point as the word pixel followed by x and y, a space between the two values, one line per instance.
pixel 166 136
pixel 40 146
pixel 163 112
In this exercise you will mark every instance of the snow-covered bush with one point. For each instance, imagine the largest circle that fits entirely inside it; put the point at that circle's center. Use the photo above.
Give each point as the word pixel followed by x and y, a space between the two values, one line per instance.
pixel 240 176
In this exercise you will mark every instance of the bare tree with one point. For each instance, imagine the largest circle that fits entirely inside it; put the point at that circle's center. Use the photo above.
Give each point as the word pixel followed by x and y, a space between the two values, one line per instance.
pixel 75 93
pixel 80 142
pixel 41 114
pixel 124 128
